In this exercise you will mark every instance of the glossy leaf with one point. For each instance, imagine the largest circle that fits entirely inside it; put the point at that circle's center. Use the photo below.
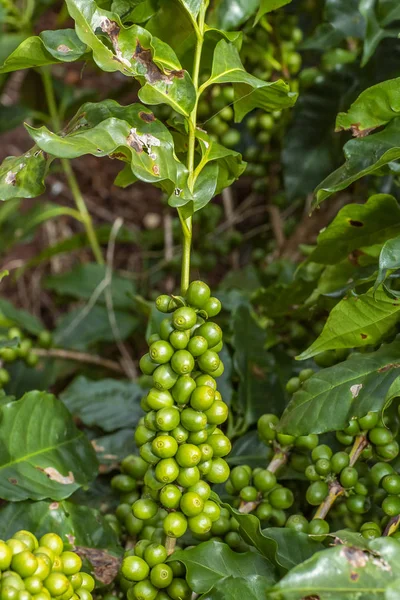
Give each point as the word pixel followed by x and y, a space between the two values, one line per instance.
pixel 83 281
pixel 248 450
pixel 112 448
pixel 389 258
pixel 342 19
pixel 136 53
pixel 130 133
pixel 356 226
pixel 77 525
pixel 375 30
pixel 250 92
pixel 355 322
pixel 42 453
pixel 253 587
pixel 230 14
pixel 375 107
pixel 330 398
pixel 363 156
pixel 22 176
pixel 106 403
pixel 48 48
pixel 344 572
pixel 211 562
pixel 266 6
pixel 192 6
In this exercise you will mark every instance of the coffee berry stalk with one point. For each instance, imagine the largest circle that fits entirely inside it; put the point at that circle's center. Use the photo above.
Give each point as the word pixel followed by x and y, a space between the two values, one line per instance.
pixel 179 438
pixel 33 569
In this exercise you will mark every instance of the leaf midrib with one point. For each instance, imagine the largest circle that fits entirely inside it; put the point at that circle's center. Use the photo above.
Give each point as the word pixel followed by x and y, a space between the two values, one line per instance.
pixel 26 457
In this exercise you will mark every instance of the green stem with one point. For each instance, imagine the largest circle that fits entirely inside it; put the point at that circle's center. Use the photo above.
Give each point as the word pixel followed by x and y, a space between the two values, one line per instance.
pixel 69 174
pixel 187 222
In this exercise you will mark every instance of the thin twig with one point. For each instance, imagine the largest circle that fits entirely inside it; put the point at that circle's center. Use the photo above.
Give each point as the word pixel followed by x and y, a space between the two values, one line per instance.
pixel 170 544
pixel 335 490
pixel 81 357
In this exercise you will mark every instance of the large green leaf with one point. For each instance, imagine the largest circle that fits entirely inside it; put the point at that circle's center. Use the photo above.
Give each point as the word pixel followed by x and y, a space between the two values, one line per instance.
pixel 344 572
pixel 106 403
pixel 376 31
pixel 83 281
pixel 261 373
pixel 42 453
pixel 210 562
pixel 363 156
pixel 22 176
pixel 129 133
pixel 19 317
pixel 250 92
pixel 357 321
pixel 267 6
pixel 331 397
pixel 230 14
pixel 356 226
pixel 77 525
pixel 113 447
pixel 252 587
pixel 48 48
pixel 342 19
pixel 374 107
pixel 136 53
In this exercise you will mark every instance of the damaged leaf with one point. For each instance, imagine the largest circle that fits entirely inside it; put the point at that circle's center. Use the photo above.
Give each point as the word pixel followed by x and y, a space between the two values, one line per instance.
pixel 136 53
pixel 105 566
pixel 42 453
pixel 22 176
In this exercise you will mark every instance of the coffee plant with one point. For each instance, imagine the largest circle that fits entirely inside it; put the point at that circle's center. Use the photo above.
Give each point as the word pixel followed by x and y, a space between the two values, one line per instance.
pixel 167 438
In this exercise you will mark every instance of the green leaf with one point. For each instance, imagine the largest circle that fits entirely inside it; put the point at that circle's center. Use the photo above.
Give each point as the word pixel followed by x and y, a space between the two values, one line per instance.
pixel 20 317
pixel 375 31
pixel 284 547
pixel 112 448
pixel 248 450
pixel 3 274
pixel 253 587
pixel 42 453
pixel 192 6
pixel 356 226
pixel 267 6
pixel 84 280
pixel 250 92
pixel 342 20
pixel 22 176
pixel 262 374
pixel 363 156
pixel 107 403
pixel 356 321
pixel 212 561
pixel 343 572
pixel 230 14
pixel 373 108
pixel 129 133
pixel 389 259
pixel 80 330
pixel 81 528
pixel 330 398
pixel 136 53
pixel 48 48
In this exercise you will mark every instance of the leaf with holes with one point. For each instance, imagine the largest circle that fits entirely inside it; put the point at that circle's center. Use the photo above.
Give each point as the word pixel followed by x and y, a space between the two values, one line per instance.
pixel 107 403
pixel 375 107
pixel 357 321
pixel 42 453
pixel 357 226
pixel 209 563
pixel 22 176
pixel 250 92
pixel 330 398
pixel 364 156
pixel 129 133
pixel 134 52
pixel 266 6
pixel 343 572
pixel 48 48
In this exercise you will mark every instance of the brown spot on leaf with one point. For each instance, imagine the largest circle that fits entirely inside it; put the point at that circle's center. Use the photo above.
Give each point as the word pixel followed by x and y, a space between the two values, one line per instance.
pixel 363 336
pixel 356 389
pixel 105 566
pixel 153 72
pixel 97 447
pixel 118 155
pixel 63 48
pixel 55 475
pixel 257 371
pixel 389 367
pixel 354 576
pixel 355 557
pixel 313 597
pixel 354 223
pixel 54 506
pixel 147 117
pixel 11 178
pixel 112 29
pixel 156 170
pixel 13 481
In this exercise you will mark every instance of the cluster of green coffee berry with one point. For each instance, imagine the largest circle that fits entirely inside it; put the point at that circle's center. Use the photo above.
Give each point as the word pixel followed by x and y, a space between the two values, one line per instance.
pixel 381 440
pixel 22 351
pixel 33 569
